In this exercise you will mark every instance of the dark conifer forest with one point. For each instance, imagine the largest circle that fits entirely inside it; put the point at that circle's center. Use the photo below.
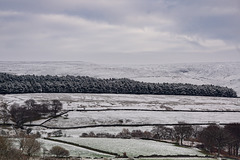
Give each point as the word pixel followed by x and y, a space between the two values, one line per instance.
pixel 14 84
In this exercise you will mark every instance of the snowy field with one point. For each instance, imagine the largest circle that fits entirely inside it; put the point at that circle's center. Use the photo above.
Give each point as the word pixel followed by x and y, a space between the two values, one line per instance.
pixel 223 74
pixel 132 147
pixel 148 102
pixel 121 101
pixel 73 150
pixel 134 117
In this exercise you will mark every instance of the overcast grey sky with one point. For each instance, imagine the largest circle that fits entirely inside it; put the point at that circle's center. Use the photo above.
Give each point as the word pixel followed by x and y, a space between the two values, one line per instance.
pixel 120 31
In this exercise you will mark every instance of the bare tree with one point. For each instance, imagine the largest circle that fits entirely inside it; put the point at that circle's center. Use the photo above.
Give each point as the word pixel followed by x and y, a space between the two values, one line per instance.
pixel 59 151
pixel 234 131
pixel 125 133
pixel 56 106
pixel 4 114
pixel 5 147
pixel 18 114
pixel 158 131
pixel 168 133
pixel 3 105
pixel 22 114
pixel 137 133
pixel 183 131
pixel 214 136
pixel 162 132
pixel 7 152
pixel 29 145
pixel 147 134
pixel 30 103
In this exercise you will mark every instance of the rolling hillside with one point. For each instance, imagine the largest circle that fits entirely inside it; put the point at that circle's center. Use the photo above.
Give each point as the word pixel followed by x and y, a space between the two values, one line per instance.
pixel 223 74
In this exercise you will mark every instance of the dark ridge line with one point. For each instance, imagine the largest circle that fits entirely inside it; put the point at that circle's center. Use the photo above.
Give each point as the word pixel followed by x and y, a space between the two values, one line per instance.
pixel 58 115
pixel 7 124
pixel 148 110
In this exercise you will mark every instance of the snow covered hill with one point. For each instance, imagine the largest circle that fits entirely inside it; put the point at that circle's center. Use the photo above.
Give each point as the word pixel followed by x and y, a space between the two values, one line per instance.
pixel 223 74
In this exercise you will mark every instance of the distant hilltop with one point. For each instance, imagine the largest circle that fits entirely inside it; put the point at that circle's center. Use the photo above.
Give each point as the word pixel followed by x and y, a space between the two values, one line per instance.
pixel 219 74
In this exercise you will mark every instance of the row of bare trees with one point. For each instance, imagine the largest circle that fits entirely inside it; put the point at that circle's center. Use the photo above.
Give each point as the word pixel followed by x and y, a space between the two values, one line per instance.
pixel 29 111
pixel 227 138
pixel 178 133
pixel 214 138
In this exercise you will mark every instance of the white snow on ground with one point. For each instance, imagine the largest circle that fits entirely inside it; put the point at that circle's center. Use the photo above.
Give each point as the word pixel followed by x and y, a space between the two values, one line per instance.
pixel 156 102
pixel 120 101
pixel 134 117
pixel 73 150
pixel 223 74
pixel 133 147
pixel 160 102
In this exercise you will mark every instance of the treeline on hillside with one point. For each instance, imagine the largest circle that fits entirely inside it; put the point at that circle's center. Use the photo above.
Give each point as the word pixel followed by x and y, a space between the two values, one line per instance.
pixel 212 138
pixel 10 84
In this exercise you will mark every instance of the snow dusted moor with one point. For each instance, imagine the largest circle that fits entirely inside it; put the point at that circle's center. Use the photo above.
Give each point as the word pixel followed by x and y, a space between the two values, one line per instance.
pixel 222 74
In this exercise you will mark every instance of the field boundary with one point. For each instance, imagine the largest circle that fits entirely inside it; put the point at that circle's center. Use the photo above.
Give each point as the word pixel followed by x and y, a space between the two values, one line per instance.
pixel 131 125
pixel 122 156
pixel 56 116
pixel 82 146
pixel 148 110
pixel 116 125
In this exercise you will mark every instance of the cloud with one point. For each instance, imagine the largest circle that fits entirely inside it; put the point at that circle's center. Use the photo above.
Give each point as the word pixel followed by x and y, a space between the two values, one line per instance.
pixel 118 31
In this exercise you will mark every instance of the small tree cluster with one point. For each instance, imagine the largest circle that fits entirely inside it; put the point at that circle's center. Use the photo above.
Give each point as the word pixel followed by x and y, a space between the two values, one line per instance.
pixel 125 133
pixel 99 135
pixel 31 111
pixel 233 131
pixel 59 151
pixel 7 151
pixel 29 145
pixel 180 132
pixel 183 131
pixel 215 137
pixel 163 133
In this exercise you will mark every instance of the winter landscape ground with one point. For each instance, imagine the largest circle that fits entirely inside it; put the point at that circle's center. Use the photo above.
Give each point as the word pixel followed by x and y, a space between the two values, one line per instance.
pixel 85 113
pixel 97 109
pixel 133 147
